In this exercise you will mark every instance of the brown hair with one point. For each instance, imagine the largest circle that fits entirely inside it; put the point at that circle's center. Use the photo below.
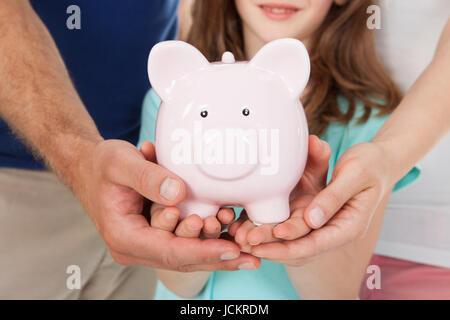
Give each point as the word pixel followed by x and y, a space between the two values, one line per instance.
pixel 342 52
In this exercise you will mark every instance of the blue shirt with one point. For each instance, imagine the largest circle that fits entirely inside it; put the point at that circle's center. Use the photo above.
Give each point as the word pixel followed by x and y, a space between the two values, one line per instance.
pixel 107 60
pixel 270 280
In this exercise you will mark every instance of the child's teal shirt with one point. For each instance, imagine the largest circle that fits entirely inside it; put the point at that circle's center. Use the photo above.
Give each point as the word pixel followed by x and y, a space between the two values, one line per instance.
pixel 270 281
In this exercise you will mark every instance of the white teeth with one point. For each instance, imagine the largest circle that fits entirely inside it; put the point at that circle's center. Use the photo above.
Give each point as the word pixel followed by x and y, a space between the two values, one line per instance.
pixel 278 10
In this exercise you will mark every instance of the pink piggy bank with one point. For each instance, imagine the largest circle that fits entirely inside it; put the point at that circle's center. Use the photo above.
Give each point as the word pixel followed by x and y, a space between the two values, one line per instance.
pixel 235 132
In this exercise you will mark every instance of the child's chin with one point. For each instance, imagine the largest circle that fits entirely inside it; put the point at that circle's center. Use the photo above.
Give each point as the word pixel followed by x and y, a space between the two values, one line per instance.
pixel 274 34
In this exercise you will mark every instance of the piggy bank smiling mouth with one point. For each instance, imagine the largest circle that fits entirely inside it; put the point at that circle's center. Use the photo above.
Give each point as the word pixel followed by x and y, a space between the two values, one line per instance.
pixel 227 171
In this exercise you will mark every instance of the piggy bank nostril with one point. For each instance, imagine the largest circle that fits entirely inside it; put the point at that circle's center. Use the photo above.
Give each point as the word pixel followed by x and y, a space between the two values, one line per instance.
pixel 204 113
pixel 245 112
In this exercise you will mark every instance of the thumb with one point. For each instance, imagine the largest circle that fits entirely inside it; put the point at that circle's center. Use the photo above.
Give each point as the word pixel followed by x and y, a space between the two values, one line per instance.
pixel 319 153
pixel 148 178
pixel 316 169
pixel 332 198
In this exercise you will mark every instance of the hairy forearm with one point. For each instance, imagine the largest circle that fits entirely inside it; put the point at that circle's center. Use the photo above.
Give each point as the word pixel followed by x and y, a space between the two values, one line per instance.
pixel 185 285
pixel 337 274
pixel 422 118
pixel 37 97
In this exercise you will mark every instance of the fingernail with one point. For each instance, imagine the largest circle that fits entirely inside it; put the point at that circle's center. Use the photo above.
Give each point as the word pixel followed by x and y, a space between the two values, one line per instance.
pixel 169 189
pixel 247 266
pixel 191 225
pixel 229 256
pixel 317 217
pixel 322 143
pixel 171 216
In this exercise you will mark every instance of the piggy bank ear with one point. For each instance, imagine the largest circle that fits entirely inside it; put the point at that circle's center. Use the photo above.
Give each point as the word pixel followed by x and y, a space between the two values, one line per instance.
pixel 287 58
pixel 169 61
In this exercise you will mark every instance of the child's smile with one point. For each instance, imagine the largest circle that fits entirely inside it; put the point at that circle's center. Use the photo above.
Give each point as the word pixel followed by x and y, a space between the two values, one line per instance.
pixel 279 11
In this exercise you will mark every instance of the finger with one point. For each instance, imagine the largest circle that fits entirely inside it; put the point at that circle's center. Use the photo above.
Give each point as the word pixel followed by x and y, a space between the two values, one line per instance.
pixel 164 218
pixel 242 232
pixel 305 247
pixel 293 228
pixel 260 234
pixel 211 227
pixel 314 176
pixel 155 208
pixel 341 230
pixel 225 216
pixel 319 153
pixel 237 224
pixel 133 237
pixel 189 227
pixel 129 168
pixel 341 189
pixel 148 150
pixel 244 262
pixel 301 202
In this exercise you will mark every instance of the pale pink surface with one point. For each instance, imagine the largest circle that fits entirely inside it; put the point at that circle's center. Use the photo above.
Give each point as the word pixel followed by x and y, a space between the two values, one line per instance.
pixel 270 86
pixel 407 280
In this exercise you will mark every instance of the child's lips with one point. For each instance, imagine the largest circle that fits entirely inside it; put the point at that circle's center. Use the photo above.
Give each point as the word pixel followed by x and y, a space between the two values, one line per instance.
pixel 278 11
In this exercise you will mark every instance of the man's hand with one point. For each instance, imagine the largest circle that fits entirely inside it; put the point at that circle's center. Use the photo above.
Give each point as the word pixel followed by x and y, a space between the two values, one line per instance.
pixel 113 181
pixel 111 178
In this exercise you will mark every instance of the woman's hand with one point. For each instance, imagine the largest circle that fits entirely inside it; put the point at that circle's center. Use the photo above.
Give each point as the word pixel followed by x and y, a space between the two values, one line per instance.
pixel 343 210
pixel 249 236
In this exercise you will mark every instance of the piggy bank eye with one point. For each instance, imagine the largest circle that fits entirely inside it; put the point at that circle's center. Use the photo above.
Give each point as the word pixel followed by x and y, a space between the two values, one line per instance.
pixel 245 112
pixel 204 113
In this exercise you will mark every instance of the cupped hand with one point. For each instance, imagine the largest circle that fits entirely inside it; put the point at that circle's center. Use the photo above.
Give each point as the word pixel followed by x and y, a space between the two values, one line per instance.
pixel 167 218
pixel 251 237
pixel 343 210
pixel 113 179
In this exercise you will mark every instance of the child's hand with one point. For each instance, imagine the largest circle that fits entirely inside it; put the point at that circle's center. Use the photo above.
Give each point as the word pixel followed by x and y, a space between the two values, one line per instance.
pixel 166 218
pixel 252 238
pixel 246 234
